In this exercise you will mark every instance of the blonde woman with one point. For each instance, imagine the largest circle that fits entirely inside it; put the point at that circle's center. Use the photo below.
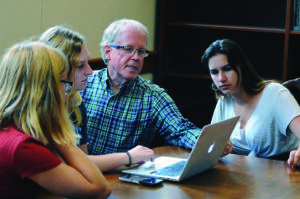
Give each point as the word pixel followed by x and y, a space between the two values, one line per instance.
pixel 33 119
pixel 74 46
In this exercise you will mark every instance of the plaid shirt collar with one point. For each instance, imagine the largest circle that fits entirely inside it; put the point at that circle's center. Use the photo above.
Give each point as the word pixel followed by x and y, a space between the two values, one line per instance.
pixel 107 81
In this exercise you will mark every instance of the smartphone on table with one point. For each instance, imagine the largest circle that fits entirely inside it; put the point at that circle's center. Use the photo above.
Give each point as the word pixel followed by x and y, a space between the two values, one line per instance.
pixel 142 180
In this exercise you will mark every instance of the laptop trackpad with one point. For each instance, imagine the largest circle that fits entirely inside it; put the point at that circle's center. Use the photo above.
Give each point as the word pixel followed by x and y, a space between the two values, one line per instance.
pixel 158 163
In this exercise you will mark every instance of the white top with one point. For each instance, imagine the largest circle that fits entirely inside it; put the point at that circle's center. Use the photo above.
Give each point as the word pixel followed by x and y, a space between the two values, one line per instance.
pixel 266 133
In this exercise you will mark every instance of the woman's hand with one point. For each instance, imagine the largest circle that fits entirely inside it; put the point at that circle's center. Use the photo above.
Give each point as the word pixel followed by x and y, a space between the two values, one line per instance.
pixel 228 149
pixel 294 159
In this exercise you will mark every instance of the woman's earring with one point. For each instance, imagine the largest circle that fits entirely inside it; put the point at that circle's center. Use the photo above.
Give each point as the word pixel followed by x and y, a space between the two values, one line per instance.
pixel 214 87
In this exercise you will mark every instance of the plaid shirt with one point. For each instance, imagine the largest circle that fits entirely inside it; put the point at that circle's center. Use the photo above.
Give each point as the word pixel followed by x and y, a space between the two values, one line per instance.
pixel 141 110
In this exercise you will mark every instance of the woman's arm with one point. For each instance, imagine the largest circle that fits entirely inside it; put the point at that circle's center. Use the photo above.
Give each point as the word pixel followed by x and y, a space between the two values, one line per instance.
pixel 294 159
pixel 114 160
pixel 84 148
pixel 78 177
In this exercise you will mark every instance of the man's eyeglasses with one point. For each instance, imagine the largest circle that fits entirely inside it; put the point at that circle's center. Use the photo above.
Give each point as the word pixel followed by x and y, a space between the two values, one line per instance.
pixel 129 50
pixel 68 86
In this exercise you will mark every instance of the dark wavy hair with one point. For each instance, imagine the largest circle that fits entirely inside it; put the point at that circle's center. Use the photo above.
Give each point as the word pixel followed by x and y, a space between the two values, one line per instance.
pixel 237 58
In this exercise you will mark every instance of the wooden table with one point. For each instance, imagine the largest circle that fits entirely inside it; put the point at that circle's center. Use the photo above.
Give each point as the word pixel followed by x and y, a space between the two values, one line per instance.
pixel 235 176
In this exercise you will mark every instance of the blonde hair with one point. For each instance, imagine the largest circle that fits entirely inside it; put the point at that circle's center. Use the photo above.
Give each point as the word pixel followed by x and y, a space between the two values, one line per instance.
pixel 70 42
pixel 30 93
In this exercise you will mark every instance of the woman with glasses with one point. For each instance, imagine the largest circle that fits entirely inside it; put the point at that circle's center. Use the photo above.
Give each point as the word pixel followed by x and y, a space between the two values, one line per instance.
pixel 68 86
pixel 269 123
pixel 74 46
pixel 37 141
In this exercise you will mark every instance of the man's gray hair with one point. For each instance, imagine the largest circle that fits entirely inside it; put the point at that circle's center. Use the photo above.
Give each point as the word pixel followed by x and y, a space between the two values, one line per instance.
pixel 111 34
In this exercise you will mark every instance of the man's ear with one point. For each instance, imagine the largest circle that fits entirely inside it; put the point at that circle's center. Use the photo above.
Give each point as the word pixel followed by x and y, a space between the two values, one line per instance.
pixel 107 50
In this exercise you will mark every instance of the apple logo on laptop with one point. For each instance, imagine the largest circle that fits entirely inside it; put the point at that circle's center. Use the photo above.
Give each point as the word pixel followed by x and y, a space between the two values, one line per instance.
pixel 210 149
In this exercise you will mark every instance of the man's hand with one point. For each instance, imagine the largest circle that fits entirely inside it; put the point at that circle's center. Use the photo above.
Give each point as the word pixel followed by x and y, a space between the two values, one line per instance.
pixel 141 154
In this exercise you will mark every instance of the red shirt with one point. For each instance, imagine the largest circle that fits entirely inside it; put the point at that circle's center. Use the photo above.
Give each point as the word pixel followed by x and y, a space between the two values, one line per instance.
pixel 21 156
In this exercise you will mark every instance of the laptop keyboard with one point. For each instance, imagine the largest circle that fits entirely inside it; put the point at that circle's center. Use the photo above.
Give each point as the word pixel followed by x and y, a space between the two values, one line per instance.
pixel 171 170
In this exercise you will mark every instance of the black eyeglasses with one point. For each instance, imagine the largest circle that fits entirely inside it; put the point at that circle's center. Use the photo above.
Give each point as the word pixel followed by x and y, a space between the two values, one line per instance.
pixel 68 86
pixel 129 50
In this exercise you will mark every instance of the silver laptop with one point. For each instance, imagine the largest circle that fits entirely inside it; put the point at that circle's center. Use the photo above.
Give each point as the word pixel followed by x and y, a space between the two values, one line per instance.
pixel 205 155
